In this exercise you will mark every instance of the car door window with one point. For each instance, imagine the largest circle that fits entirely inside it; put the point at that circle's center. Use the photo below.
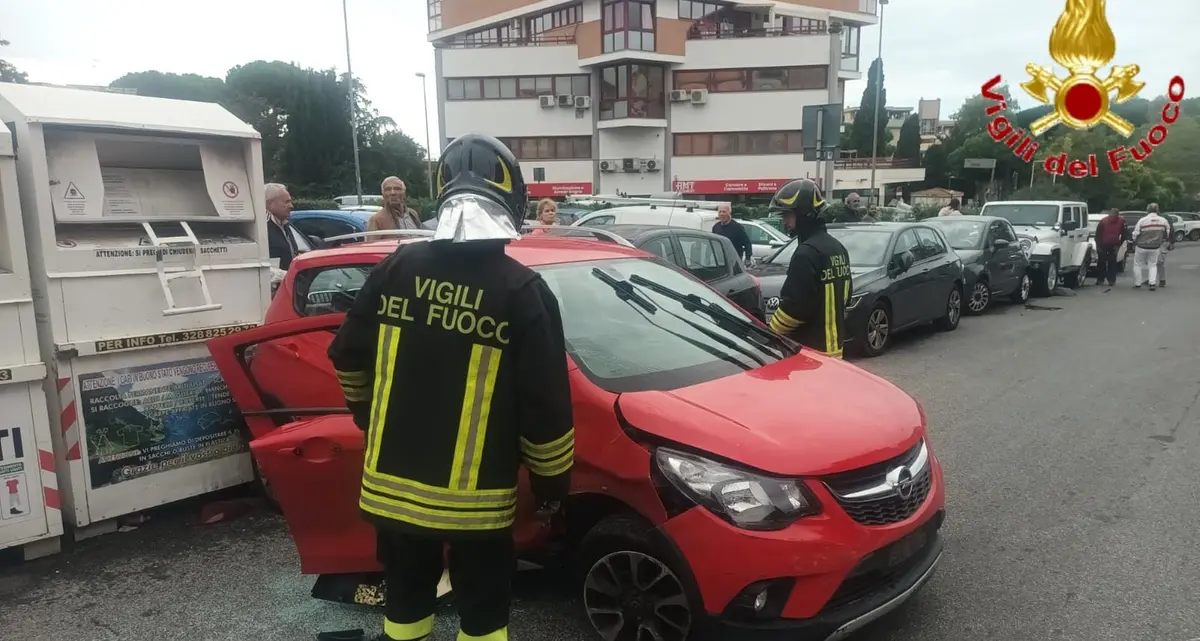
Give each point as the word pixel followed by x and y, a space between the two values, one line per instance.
pixel 599 221
pixel 1005 231
pixel 324 227
pixel 317 289
pixel 930 244
pixel 702 257
pixel 662 247
pixel 757 235
pixel 907 243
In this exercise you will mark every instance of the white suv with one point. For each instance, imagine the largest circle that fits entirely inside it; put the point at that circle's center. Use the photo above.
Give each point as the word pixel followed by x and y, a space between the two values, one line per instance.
pixel 1054 235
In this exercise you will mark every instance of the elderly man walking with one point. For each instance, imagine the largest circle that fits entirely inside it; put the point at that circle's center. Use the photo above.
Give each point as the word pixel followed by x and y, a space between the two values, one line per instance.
pixel 733 230
pixel 1150 234
pixel 395 214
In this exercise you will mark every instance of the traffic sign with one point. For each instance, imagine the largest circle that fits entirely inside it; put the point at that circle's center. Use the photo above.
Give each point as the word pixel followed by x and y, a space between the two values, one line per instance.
pixel 812 153
pixel 823 131
pixel 979 163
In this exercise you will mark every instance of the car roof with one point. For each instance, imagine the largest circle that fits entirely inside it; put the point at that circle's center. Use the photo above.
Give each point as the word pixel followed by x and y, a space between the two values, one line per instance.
pixel 344 214
pixel 1035 202
pixel 531 251
pixel 633 232
pixel 949 219
pixel 882 225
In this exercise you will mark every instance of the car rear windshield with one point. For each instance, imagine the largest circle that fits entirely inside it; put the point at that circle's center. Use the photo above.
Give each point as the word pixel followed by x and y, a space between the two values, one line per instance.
pixel 866 247
pixel 622 346
pixel 1041 215
pixel 962 233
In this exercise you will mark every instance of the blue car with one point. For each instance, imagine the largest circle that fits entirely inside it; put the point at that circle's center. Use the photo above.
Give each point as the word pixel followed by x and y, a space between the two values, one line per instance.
pixel 329 223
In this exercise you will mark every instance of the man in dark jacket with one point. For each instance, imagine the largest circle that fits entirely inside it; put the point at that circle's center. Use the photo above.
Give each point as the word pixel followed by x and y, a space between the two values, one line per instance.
pixel 454 364
pixel 733 230
pixel 1110 233
pixel 851 210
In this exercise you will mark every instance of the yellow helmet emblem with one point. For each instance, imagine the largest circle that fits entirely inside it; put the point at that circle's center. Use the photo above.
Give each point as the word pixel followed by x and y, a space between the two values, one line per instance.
pixel 505 185
pixel 790 201
pixel 817 202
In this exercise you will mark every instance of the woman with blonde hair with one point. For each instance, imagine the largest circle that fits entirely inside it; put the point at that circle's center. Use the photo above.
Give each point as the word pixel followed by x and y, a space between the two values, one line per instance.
pixel 547 214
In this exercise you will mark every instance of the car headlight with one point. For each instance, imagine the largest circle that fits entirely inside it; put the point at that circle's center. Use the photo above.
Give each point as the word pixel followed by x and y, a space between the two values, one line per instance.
pixel 745 499
pixel 1026 246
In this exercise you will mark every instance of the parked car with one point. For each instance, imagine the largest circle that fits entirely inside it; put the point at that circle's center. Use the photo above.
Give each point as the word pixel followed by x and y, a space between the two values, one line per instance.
pixel 1190 226
pixel 993 264
pixel 329 223
pixel 351 202
pixel 1122 250
pixel 688 442
pixel 709 257
pixel 903 275
pixel 1054 236
pixel 764 239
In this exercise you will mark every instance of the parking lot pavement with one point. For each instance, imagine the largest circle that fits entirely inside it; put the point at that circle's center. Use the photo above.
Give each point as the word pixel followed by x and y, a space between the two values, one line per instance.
pixel 1069 432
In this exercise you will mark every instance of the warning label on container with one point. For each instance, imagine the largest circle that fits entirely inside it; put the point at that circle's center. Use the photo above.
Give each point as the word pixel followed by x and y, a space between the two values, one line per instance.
pixel 75 201
pixel 141 252
pixel 170 338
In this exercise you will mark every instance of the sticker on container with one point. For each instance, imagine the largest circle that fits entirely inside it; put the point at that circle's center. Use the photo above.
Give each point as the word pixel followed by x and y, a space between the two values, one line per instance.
pixel 14 494
pixel 143 420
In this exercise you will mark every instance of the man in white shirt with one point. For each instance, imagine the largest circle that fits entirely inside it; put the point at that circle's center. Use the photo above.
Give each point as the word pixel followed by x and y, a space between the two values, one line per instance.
pixel 1150 234
pixel 952 208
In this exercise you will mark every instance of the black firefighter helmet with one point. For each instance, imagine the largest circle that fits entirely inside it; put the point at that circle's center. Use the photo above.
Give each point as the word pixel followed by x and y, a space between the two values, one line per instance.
pixel 801 197
pixel 481 165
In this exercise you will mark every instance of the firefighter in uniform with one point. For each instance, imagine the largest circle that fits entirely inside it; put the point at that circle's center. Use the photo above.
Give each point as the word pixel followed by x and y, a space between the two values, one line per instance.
pixel 812 301
pixel 453 362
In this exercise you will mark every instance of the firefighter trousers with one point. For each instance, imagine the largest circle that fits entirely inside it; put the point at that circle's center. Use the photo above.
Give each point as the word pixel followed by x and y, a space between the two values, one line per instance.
pixel 481 571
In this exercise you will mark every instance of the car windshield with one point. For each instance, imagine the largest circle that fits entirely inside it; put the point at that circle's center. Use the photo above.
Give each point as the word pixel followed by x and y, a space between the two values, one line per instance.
pixel 1039 215
pixel 1093 224
pixel 962 233
pixel 636 339
pixel 867 246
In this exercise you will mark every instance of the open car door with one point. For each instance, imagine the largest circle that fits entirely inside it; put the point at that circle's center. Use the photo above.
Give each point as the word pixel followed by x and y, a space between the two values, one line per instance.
pixel 307 447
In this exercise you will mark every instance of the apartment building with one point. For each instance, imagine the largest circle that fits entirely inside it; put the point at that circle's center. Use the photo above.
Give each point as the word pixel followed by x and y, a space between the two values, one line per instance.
pixel 933 128
pixel 647 96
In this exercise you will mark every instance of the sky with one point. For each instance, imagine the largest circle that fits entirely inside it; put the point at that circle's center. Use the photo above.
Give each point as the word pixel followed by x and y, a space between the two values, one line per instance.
pixel 930 50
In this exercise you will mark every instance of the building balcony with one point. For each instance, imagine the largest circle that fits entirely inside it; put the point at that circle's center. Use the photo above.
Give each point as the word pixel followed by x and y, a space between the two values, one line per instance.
pixel 699 33
pixel 515 41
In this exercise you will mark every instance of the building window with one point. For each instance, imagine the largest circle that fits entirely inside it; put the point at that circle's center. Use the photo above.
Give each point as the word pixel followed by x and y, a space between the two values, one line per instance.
pixel 692 10
pixel 498 36
pixel 766 79
pixel 435 15
pixel 850 42
pixel 745 143
pixel 551 148
pixel 517 87
pixel 555 19
pixel 628 24
pixel 632 91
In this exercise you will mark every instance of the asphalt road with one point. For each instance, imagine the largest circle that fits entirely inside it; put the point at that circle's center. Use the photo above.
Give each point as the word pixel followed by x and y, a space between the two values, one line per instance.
pixel 1069 432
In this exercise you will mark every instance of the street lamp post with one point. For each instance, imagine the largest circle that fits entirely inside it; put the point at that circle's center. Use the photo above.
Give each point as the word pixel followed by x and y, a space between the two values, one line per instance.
pixel 875 120
pixel 353 107
pixel 428 147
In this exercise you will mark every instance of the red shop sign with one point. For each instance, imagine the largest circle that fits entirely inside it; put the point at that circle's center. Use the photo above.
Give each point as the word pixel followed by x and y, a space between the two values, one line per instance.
pixel 555 190
pixel 743 186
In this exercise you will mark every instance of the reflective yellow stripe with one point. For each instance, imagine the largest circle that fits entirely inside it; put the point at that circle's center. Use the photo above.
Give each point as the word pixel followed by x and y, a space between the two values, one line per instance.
pixel 355 385
pixel 830 332
pixel 409 490
pixel 408 631
pixel 385 363
pixel 352 378
pixel 498 635
pixel 550 459
pixel 436 519
pixel 472 422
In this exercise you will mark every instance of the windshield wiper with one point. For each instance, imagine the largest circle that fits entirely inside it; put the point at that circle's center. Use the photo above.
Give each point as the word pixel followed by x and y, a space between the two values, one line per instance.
pixel 724 318
pixel 624 290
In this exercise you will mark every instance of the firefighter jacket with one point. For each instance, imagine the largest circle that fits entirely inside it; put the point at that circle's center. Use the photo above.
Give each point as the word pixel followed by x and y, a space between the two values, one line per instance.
pixel 812 301
pixel 453 361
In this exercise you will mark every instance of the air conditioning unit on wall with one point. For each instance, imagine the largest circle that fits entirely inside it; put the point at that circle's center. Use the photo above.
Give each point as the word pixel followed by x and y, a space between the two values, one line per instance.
pixel 546 101
pixel 566 100
pixel 649 165
pixel 583 102
pixel 699 96
pixel 608 166
pixel 680 95
pixel 630 165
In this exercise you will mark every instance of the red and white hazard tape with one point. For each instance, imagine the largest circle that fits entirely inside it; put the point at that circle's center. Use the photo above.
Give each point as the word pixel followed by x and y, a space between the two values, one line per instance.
pixel 49 480
pixel 69 420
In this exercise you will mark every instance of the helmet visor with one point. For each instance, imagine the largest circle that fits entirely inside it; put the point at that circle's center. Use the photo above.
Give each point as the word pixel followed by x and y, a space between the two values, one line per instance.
pixel 467 217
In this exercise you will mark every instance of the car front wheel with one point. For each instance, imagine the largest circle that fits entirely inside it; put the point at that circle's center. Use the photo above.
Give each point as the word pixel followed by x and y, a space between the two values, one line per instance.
pixel 980 298
pixel 1194 234
pixel 1047 279
pixel 629 590
pixel 953 312
pixel 877 334
pixel 1179 236
pixel 1021 294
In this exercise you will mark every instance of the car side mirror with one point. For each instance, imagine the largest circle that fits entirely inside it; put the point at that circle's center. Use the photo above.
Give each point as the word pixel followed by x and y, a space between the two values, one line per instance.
pixel 1001 243
pixel 902 262
pixel 775 244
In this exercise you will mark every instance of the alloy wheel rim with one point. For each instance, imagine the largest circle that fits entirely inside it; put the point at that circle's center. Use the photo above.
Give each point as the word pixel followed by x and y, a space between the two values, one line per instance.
pixel 954 307
pixel 630 596
pixel 1026 284
pixel 1052 277
pixel 980 295
pixel 877 329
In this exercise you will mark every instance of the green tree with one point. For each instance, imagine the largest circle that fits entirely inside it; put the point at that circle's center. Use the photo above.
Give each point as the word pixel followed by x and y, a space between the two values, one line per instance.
pixel 908 145
pixel 937 166
pixel 188 86
pixel 1045 191
pixel 9 73
pixel 865 128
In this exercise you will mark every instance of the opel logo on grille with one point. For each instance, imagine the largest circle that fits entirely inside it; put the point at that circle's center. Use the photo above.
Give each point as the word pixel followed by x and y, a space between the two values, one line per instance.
pixel 901 480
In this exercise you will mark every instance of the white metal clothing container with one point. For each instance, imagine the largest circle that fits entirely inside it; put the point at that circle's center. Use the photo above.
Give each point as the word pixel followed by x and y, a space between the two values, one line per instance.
pixel 30 505
pixel 146 229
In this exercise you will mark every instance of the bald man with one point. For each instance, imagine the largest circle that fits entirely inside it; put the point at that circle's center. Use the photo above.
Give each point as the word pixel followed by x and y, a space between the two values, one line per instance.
pixel 394 214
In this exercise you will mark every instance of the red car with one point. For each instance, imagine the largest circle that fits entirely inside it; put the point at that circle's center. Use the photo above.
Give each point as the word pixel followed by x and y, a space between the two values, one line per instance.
pixel 724 480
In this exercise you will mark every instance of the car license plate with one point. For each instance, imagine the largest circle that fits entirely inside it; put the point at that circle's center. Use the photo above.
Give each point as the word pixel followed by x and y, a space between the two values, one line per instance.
pixel 906 547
